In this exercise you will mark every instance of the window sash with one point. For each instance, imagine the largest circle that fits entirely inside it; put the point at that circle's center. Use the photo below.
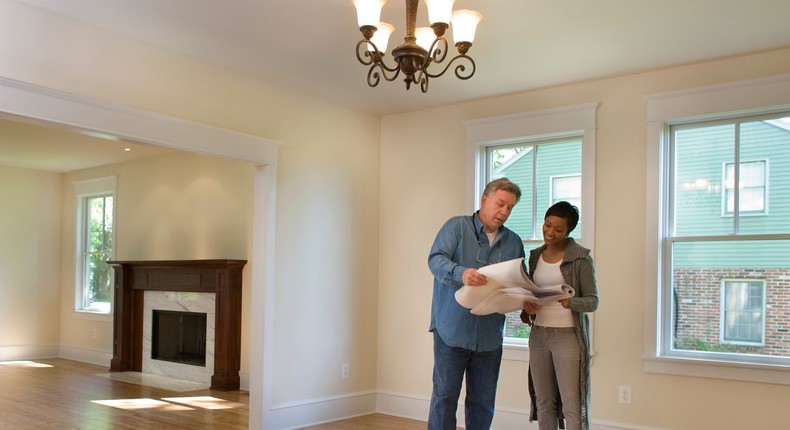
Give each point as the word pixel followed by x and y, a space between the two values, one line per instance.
pixel 752 177
pixel 95 208
pixel 501 157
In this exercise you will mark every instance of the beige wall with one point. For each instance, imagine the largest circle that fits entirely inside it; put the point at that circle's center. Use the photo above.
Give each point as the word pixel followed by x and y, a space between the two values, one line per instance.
pixel 424 182
pixel 29 260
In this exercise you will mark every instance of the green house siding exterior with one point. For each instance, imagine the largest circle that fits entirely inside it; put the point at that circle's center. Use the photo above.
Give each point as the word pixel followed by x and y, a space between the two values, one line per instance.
pixel 553 160
pixel 700 189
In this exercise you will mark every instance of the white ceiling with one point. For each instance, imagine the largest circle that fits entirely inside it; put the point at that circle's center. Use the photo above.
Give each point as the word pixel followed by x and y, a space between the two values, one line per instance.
pixel 520 44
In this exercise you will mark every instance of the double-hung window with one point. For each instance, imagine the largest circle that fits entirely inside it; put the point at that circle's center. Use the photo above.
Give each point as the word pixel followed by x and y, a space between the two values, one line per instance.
pixel 550 155
pixel 719 233
pixel 95 203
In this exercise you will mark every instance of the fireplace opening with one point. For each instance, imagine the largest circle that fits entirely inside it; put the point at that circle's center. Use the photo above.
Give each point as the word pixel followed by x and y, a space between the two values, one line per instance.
pixel 179 337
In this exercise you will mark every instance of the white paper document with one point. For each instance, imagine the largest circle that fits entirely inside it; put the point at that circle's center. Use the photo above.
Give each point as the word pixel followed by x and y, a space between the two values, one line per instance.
pixel 507 289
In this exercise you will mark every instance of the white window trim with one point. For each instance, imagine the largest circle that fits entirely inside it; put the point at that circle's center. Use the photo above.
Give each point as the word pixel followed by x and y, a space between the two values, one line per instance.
pixel 82 189
pixel 755 96
pixel 531 126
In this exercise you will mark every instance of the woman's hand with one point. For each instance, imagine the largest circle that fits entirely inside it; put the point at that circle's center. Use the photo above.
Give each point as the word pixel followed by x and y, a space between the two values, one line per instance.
pixel 532 308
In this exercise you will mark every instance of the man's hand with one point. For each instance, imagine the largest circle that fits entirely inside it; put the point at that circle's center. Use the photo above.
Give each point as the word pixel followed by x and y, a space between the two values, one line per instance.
pixel 473 278
pixel 532 308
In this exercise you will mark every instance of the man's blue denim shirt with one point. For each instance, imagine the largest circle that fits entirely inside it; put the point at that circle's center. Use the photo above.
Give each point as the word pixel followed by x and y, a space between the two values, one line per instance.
pixel 460 244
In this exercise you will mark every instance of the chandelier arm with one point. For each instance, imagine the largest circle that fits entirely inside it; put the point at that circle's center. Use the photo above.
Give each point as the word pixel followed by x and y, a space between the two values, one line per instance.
pixel 460 69
pixel 437 53
pixel 363 51
pixel 374 57
pixel 378 71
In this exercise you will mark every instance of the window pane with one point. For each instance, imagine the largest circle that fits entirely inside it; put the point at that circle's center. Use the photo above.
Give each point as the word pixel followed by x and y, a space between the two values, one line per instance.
pixel 516 164
pixel 556 159
pixel 99 224
pixel 98 283
pixel 765 177
pixel 700 153
pixel 717 302
pixel 97 279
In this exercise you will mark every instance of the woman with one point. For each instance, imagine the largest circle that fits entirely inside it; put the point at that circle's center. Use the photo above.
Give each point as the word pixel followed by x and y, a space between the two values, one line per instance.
pixel 559 343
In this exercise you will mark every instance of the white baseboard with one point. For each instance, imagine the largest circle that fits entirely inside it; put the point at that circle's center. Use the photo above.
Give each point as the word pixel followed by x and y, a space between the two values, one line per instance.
pixel 294 415
pixel 86 355
pixel 416 408
pixel 244 381
pixel 27 352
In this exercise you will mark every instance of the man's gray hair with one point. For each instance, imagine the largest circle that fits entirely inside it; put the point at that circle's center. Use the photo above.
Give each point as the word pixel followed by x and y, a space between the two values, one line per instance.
pixel 502 184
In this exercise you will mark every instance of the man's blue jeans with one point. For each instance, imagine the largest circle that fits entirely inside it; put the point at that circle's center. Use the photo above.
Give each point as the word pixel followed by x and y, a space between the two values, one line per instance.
pixel 449 366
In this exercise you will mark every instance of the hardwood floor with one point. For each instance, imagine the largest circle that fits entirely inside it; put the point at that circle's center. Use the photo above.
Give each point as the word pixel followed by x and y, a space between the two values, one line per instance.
pixel 372 422
pixel 58 394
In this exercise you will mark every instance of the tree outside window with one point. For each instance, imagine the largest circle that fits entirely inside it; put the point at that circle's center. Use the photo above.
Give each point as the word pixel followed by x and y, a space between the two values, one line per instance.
pixel 98 249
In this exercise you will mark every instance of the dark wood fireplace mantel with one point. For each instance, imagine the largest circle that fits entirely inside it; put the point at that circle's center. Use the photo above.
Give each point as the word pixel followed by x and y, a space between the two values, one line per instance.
pixel 222 277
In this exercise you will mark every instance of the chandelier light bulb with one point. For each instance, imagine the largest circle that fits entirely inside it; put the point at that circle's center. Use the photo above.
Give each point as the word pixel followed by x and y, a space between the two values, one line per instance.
pixel 382 37
pixel 440 10
pixel 464 25
pixel 424 37
pixel 368 11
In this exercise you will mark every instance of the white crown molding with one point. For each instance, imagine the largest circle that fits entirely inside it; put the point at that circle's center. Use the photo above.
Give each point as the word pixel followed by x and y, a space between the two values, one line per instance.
pixel 50 105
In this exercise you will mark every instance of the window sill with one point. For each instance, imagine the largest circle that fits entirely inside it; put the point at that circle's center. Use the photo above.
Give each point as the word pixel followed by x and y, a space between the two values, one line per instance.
pixel 515 352
pixel 91 315
pixel 764 373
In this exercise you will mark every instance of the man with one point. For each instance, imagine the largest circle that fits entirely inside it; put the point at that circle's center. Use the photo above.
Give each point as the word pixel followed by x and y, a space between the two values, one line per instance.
pixel 465 343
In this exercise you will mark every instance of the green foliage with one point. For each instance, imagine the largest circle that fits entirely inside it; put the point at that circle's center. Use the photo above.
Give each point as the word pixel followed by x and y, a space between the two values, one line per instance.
pixel 100 249
pixel 520 330
pixel 694 344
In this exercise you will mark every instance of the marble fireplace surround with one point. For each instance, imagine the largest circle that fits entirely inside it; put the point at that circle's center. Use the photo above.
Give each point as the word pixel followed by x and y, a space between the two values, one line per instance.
pixel 220 277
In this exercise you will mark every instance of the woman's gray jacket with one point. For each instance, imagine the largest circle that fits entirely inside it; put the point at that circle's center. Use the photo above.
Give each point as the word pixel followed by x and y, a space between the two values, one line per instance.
pixel 578 271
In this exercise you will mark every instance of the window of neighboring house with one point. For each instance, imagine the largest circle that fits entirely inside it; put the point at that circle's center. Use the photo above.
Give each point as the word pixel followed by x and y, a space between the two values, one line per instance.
pixel 547 154
pixel 752 188
pixel 717 278
pixel 95 202
pixel 743 312
pixel 567 188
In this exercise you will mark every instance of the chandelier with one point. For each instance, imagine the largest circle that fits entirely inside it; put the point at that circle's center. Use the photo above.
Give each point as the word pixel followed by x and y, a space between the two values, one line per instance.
pixel 421 47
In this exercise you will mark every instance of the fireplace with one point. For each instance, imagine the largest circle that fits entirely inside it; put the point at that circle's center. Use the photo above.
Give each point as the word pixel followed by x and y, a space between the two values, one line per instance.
pixel 179 337
pixel 142 287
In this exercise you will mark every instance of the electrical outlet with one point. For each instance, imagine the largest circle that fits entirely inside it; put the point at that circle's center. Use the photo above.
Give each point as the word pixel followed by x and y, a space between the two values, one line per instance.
pixel 624 395
pixel 344 370
pixel 93 333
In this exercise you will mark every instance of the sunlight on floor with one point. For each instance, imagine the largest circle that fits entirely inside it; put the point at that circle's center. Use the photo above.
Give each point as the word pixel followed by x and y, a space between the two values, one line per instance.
pixel 204 402
pixel 24 364
pixel 138 404
pixel 170 403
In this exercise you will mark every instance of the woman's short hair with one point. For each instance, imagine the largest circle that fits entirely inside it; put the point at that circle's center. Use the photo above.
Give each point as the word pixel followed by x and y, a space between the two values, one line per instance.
pixel 502 184
pixel 566 211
